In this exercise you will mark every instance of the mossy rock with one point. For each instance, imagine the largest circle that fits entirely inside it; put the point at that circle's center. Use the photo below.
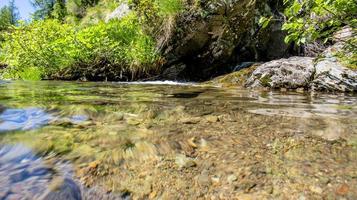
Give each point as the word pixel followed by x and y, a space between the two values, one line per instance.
pixel 234 79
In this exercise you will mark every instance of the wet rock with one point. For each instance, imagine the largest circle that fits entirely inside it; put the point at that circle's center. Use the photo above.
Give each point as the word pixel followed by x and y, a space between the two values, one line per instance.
pixel 325 74
pixel 23 175
pixel 235 79
pixel 206 42
pixel 331 75
pixel 183 161
pixel 174 72
pixel 291 73
pixel 62 189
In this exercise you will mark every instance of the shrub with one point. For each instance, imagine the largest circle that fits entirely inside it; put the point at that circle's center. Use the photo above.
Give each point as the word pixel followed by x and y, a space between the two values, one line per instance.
pixel 309 20
pixel 50 48
pixel 317 20
pixel 42 45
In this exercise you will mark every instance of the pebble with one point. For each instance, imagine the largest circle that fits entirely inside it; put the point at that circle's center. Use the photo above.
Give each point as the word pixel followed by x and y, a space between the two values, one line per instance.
pixel 316 189
pixel 231 178
pixel 342 190
pixel 212 118
pixel 203 178
pixel 203 145
pixel 191 142
pixel 215 179
pixel 183 161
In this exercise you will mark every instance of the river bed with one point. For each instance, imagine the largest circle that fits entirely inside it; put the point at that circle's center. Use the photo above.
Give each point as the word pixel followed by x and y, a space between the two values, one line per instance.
pixel 165 140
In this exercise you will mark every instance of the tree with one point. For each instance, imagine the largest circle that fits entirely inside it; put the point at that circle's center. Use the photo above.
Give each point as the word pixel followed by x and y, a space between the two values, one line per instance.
pixel 59 10
pixel 78 8
pixel 9 15
pixel 44 8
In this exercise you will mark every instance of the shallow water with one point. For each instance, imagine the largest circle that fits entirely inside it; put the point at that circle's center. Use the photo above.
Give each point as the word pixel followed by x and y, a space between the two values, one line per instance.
pixel 176 141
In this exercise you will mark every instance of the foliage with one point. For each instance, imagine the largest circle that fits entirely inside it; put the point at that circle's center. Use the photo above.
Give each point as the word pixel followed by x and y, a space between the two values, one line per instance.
pixel 310 20
pixel 153 10
pixel 158 17
pixel 8 16
pixel 94 14
pixel 169 7
pixel 50 47
pixel 79 8
pixel 43 8
pixel 59 10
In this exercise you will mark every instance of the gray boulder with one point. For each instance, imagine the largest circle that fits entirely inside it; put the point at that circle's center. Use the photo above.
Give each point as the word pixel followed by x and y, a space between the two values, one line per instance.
pixel 291 73
pixel 326 74
pixel 330 75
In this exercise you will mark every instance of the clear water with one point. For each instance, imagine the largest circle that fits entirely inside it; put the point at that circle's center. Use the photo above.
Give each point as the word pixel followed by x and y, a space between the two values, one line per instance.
pixel 175 141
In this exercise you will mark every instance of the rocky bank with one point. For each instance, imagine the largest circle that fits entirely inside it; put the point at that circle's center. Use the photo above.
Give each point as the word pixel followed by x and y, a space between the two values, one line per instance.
pixel 218 37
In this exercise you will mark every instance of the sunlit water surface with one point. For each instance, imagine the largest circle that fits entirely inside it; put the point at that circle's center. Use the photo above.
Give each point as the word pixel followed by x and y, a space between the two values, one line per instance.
pixel 170 140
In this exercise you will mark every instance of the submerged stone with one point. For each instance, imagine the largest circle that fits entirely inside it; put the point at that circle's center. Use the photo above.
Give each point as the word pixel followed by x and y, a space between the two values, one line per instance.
pixel 28 176
pixel 183 161
pixel 63 189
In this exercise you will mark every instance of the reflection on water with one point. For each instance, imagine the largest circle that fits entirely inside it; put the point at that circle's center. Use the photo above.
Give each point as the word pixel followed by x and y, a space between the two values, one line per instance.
pixel 23 119
pixel 172 141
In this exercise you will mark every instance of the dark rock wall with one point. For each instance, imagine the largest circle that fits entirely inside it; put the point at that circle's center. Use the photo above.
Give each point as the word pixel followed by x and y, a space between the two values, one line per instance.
pixel 217 35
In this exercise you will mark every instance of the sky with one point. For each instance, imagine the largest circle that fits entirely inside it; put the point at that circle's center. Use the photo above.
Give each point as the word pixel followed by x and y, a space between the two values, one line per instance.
pixel 24 6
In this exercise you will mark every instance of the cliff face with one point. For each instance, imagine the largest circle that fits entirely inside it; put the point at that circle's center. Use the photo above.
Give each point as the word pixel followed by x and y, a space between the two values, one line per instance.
pixel 216 35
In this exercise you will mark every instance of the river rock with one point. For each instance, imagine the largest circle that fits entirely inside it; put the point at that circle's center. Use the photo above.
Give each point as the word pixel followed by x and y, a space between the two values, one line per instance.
pixel 291 73
pixel 331 75
pixel 174 72
pixel 24 175
pixel 183 161
pixel 63 189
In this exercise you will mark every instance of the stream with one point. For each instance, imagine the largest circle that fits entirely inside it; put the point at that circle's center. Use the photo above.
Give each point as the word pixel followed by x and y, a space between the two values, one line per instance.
pixel 166 140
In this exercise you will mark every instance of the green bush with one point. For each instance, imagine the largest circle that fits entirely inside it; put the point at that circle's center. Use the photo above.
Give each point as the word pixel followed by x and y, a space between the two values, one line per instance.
pixel 46 48
pixel 318 20
pixel 169 7
pixel 310 20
